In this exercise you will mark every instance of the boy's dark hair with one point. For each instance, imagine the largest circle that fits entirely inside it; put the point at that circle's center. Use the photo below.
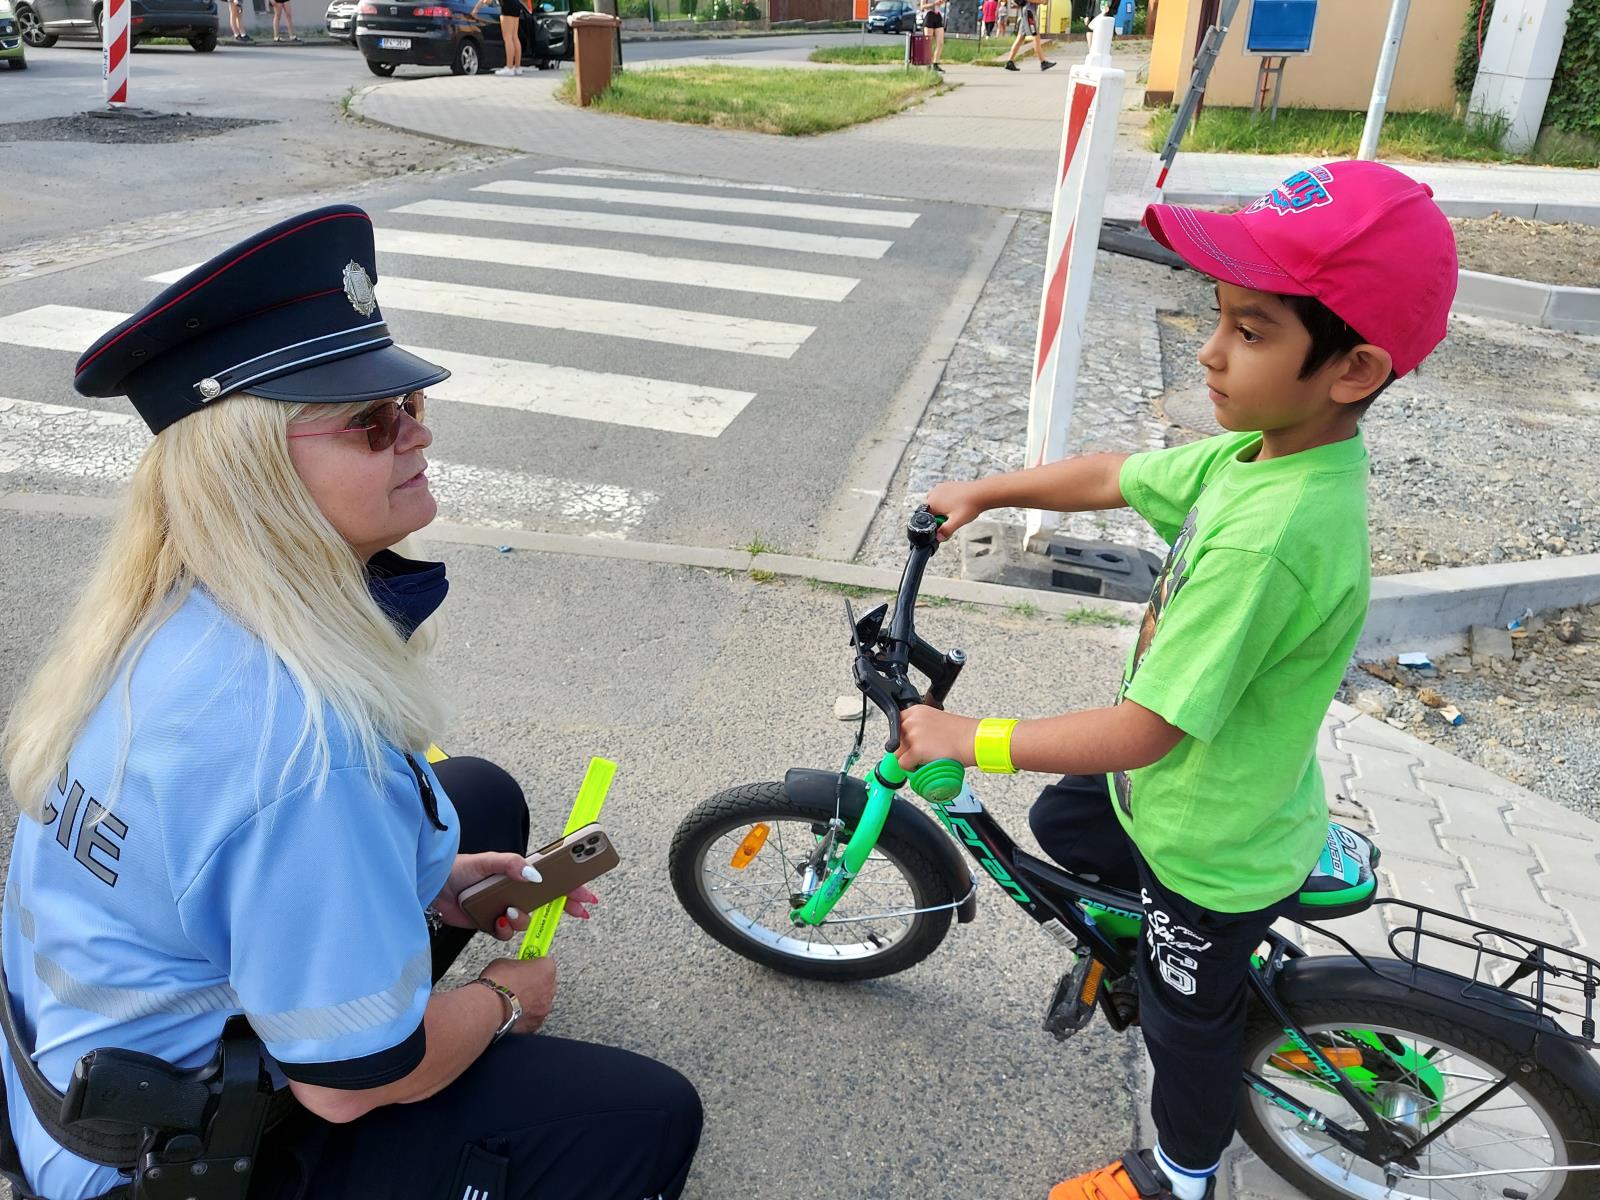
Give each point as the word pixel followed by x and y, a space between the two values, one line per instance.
pixel 1330 337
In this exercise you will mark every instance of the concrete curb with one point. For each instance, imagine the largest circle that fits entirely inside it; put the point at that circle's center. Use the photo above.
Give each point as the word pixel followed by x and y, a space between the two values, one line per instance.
pixel 1551 306
pixel 878 579
pixel 1432 610
pixel 1580 214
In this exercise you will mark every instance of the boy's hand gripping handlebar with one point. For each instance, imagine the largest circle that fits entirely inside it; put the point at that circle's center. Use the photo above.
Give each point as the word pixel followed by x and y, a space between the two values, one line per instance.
pixel 880 672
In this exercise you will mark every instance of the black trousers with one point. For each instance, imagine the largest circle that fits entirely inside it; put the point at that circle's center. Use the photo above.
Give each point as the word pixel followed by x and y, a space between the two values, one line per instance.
pixel 1192 969
pixel 535 1118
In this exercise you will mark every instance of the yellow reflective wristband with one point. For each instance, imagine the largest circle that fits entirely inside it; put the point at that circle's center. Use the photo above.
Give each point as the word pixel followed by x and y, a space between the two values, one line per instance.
pixel 992 746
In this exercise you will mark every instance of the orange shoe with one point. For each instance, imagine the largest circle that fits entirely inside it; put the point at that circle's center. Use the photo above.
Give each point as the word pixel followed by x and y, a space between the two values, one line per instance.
pixel 1134 1176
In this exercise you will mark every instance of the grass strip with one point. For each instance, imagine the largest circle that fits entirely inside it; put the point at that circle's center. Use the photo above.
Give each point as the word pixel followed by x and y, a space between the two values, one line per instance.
pixel 763 100
pixel 1331 133
pixel 993 52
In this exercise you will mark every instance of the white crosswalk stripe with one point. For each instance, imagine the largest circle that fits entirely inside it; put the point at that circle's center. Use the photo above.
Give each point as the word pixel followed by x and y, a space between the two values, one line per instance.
pixel 608 318
pixel 663 227
pixel 706 181
pixel 883 217
pixel 618 264
pixel 476 379
pixel 82 443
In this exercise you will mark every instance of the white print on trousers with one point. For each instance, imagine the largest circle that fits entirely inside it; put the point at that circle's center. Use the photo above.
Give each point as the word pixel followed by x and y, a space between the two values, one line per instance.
pixel 1171 946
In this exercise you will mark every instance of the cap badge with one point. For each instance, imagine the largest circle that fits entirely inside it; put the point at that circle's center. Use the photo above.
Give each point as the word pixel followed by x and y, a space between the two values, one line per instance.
pixel 210 389
pixel 358 289
pixel 1302 190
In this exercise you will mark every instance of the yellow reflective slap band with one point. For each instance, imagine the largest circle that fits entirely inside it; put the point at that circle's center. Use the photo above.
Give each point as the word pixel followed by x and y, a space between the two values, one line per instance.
pixel 585 811
pixel 992 746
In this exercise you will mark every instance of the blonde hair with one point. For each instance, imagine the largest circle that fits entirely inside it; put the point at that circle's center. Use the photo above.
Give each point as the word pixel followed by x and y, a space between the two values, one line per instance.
pixel 216 501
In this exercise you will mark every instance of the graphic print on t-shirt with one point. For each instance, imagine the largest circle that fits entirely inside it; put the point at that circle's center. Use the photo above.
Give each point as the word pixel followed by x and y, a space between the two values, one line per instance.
pixel 1174 574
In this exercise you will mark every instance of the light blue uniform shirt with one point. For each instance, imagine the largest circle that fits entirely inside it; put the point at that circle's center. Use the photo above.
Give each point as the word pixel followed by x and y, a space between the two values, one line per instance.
pixel 213 888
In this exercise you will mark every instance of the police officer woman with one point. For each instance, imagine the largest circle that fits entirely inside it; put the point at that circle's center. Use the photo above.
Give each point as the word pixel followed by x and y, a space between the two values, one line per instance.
pixel 227 808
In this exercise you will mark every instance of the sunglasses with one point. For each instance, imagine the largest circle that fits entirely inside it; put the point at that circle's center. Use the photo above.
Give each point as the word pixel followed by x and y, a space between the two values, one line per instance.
pixel 381 422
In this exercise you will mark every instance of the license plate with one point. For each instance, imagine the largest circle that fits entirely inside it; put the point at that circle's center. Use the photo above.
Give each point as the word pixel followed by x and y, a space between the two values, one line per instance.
pixel 394 43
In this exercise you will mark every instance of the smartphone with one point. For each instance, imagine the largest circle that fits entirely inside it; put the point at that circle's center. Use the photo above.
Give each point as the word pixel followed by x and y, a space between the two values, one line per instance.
pixel 566 864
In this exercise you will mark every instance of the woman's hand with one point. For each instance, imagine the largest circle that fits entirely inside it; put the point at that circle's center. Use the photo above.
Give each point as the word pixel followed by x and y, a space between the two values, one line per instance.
pixel 534 982
pixel 469 869
pixel 928 734
pixel 958 503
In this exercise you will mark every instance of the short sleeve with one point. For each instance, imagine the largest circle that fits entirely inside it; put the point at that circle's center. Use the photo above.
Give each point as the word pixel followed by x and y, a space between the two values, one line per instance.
pixel 1162 485
pixel 1229 619
pixel 311 908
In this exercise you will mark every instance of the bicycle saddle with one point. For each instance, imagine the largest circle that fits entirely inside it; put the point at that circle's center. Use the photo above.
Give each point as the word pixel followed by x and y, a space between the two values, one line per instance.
pixel 1343 882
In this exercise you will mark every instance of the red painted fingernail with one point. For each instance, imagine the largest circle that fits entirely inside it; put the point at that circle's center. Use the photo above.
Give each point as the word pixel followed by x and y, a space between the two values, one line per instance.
pixel 501 923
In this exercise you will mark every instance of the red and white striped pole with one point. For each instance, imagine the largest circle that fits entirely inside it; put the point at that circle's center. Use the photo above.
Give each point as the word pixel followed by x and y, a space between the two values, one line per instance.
pixel 114 57
pixel 1088 139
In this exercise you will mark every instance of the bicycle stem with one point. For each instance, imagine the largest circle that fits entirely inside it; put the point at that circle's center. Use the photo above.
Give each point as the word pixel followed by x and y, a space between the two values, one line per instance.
pixel 936 781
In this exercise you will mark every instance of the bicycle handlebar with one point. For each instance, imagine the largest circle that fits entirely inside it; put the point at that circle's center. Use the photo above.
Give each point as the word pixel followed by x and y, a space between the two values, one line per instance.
pixel 892 691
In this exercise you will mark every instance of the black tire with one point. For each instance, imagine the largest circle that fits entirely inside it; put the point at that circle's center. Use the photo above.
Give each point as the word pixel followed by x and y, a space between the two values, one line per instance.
pixel 468 58
pixel 382 69
pixel 1417 1014
pixel 204 43
pixel 100 26
pixel 754 802
pixel 33 29
pixel 18 64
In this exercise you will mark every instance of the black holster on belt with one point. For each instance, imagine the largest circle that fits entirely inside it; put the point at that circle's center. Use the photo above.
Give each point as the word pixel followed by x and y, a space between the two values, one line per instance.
pixel 182 1134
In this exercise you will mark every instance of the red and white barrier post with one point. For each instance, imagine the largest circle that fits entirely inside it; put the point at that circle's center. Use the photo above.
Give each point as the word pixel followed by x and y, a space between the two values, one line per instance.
pixel 114 56
pixel 1088 139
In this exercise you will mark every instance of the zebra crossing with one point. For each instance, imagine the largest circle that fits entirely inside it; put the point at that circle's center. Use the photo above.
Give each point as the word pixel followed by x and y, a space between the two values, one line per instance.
pixel 528 254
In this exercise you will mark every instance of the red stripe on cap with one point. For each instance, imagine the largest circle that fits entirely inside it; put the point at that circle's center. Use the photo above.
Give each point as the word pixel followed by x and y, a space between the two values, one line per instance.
pixel 225 267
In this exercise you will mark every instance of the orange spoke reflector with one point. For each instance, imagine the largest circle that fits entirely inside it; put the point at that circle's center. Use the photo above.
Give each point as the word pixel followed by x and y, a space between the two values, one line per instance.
pixel 750 847
pixel 1298 1060
pixel 1091 982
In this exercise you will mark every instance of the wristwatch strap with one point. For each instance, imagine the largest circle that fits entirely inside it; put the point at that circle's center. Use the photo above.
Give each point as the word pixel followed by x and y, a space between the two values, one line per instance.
pixel 513 1006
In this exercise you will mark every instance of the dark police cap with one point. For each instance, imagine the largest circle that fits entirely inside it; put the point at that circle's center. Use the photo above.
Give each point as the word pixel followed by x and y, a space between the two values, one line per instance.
pixel 288 314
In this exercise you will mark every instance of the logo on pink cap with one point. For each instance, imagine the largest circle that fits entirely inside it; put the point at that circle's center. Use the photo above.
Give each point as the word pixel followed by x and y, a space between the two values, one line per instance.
pixel 1301 191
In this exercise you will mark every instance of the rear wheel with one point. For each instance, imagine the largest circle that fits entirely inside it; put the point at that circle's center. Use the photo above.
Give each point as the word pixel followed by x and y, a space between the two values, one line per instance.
pixel 205 42
pixel 380 68
pixel 1425 1068
pixel 468 58
pixel 33 29
pixel 874 930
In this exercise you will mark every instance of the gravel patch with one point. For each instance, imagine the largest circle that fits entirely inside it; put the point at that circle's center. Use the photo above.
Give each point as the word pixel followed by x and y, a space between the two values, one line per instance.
pixel 1530 718
pixel 1549 252
pixel 122 128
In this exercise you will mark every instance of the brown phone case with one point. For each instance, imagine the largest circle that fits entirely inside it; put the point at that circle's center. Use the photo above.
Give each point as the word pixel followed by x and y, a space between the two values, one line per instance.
pixel 566 864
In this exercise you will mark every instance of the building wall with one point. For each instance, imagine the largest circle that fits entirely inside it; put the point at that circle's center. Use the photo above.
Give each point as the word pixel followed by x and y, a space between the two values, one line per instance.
pixel 1339 71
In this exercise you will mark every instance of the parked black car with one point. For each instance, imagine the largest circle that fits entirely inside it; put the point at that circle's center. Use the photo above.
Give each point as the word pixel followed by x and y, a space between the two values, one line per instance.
pixel 892 16
pixel 443 33
pixel 44 21
pixel 341 20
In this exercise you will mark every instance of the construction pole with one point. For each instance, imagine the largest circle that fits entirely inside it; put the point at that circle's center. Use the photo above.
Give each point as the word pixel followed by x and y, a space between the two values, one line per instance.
pixel 1380 85
pixel 1195 92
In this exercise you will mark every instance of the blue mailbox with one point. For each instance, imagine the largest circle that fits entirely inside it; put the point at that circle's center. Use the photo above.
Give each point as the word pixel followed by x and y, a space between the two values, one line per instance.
pixel 1279 27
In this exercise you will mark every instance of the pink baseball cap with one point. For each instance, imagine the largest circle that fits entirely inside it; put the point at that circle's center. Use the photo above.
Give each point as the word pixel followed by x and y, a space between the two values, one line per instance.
pixel 1366 240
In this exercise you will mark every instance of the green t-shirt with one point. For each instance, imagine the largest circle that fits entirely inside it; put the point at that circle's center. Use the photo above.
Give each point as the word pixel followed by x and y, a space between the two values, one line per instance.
pixel 1248 632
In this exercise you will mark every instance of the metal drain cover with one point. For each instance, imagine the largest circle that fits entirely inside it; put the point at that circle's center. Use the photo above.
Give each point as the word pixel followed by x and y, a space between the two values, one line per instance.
pixel 1192 409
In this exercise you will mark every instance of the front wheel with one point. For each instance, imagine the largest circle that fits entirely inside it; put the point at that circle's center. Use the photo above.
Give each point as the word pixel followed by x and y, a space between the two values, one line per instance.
pixel 880 926
pixel 381 69
pixel 1421 1068
pixel 33 29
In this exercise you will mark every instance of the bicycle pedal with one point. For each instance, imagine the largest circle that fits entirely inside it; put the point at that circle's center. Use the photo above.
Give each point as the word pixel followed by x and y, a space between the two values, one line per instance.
pixel 1072 1005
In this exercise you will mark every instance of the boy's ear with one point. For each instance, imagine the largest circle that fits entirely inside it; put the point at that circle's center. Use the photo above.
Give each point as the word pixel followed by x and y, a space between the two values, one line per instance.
pixel 1361 372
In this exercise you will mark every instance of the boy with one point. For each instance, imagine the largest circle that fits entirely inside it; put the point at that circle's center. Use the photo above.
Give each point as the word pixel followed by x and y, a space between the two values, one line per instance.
pixel 1027 26
pixel 1215 789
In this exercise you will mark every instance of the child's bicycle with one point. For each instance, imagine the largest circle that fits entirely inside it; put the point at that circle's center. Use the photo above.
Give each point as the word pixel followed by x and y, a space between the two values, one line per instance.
pixel 1365 1076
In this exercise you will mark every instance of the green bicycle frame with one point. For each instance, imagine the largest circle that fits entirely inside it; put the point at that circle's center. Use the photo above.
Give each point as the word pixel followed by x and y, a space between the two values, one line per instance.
pixel 937 781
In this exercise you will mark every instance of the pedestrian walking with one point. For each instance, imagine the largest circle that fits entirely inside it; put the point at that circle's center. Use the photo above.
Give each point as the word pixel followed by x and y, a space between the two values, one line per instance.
pixel 1027 26
pixel 991 12
pixel 236 22
pixel 933 23
pixel 284 19
pixel 511 14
